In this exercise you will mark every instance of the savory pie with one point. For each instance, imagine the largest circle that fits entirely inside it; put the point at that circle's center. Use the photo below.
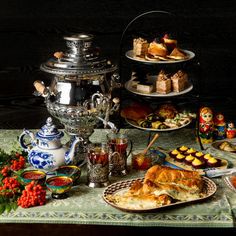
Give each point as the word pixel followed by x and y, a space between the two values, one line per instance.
pixel 161 186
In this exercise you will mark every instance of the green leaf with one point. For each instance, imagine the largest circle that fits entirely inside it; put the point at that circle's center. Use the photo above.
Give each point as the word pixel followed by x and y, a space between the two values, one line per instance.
pixel 2 208
pixel 7 207
pixel 14 205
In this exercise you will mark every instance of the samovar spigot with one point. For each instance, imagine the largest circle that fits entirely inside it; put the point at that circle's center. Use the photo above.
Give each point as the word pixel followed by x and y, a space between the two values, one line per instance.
pixel 109 124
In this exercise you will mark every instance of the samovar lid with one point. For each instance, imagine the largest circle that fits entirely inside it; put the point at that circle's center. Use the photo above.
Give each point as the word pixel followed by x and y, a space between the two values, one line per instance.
pixel 49 131
pixel 81 58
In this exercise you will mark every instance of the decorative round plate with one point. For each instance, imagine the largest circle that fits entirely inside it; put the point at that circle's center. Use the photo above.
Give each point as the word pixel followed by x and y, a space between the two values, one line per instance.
pixel 134 124
pixel 217 144
pixel 190 55
pixel 130 88
pixel 209 188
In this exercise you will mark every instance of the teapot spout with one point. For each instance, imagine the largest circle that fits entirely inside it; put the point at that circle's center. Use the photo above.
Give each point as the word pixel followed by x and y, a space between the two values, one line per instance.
pixel 70 154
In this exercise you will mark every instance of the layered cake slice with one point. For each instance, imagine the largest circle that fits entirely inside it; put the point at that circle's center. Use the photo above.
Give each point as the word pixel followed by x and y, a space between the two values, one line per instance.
pixel 179 81
pixel 140 47
pixel 163 83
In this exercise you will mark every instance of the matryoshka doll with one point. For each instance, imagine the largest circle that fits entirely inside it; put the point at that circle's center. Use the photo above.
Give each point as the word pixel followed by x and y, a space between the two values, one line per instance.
pixel 206 125
pixel 230 130
pixel 219 126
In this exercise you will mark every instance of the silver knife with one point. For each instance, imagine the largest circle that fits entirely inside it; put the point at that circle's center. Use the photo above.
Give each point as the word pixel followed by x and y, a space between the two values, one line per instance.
pixel 211 173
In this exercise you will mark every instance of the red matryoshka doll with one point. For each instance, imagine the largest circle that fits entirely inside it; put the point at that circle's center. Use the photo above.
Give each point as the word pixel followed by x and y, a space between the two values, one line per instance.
pixel 206 125
pixel 220 126
pixel 230 130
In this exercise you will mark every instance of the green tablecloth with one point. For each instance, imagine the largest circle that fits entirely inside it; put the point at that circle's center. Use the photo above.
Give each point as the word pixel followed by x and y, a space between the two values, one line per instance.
pixel 86 205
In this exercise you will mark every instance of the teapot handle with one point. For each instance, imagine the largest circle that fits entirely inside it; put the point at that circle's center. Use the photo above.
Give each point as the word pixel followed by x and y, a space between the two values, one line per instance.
pixel 22 140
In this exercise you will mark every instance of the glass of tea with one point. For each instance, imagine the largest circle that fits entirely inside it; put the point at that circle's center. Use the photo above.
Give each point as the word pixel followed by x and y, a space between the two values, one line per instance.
pixel 98 165
pixel 119 144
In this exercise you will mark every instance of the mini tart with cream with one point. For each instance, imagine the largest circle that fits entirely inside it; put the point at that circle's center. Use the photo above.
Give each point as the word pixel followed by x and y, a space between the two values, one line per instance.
pixel 207 156
pixel 189 159
pixel 180 157
pixel 197 164
pixel 214 162
pixel 182 149
pixel 174 153
pixel 199 155
pixel 190 151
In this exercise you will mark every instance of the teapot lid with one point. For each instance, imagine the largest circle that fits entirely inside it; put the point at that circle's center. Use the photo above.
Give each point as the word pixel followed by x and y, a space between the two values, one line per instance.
pixel 49 131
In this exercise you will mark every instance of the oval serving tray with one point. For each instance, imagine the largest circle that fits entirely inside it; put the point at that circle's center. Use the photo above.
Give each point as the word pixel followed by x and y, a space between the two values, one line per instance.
pixel 209 188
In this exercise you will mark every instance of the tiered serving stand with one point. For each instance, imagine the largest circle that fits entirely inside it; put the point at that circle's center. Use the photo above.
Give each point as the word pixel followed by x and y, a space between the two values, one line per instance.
pixel 158 65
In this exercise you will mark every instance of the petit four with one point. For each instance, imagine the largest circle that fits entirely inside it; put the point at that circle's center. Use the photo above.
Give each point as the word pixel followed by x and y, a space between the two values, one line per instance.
pixel 189 159
pixel 190 151
pixel 145 88
pixel 199 155
pixel 163 83
pixel 157 49
pixel 174 153
pixel 140 47
pixel 214 162
pixel 179 81
pixel 207 156
pixel 183 149
pixel 177 54
pixel 198 164
pixel 180 157
pixel 169 42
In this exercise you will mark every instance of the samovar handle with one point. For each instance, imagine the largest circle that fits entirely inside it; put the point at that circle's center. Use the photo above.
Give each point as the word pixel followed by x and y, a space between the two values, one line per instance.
pixel 40 88
pixel 97 94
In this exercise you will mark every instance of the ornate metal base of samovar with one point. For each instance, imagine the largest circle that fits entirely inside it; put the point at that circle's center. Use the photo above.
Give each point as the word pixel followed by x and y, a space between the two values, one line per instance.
pixel 80 93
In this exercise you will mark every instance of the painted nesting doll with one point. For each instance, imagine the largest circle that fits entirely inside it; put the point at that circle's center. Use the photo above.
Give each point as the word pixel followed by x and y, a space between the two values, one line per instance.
pixel 220 126
pixel 230 130
pixel 206 125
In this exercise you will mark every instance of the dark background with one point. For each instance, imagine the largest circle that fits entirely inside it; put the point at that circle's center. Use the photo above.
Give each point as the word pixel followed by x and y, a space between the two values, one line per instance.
pixel 31 31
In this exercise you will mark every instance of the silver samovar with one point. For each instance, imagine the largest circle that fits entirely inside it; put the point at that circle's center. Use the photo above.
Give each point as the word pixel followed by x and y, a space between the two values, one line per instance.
pixel 80 93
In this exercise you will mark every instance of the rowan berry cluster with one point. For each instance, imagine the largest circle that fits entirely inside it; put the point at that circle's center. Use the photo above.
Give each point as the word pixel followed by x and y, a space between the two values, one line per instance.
pixel 10 187
pixel 33 195
pixel 18 164
pixel 5 171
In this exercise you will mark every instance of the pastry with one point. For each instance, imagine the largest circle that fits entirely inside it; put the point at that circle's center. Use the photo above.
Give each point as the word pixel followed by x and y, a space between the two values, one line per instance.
pixel 189 159
pixel 190 151
pixel 157 49
pixel 158 125
pixel 163 83
pixel 180 157
pixel 166 111
pixel 227 146
pixel 144 88
pixel 135 112
pixel 179 81
pixel 214 162
pixel 140 47
pixel 177 54
pixel 207 156
pixel 174 153
pixel 179 184
pixel 169 42
pixel 160 186
pixel 199 155
pixel 182 149
pixel 198 164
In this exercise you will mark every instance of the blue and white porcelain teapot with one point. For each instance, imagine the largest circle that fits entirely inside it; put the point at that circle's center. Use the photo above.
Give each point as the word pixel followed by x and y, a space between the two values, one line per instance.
pixel 46 151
